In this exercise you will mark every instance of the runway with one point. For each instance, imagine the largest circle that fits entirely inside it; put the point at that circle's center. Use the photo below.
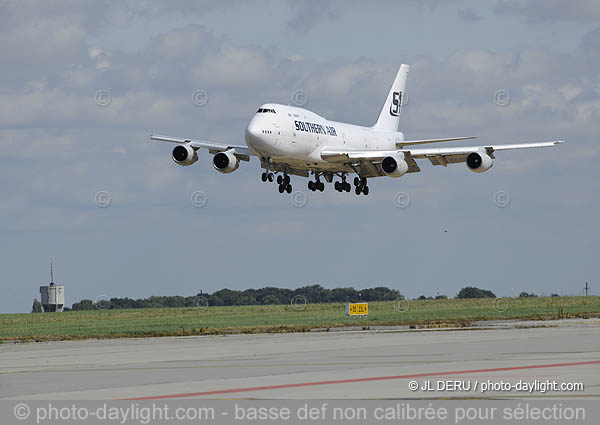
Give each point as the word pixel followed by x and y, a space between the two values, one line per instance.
pixel 342 365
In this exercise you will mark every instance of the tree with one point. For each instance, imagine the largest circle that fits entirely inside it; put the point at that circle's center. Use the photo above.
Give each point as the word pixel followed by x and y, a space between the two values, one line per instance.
pixel 215 301
pixel 344 295
pixel 84 305
pixel 37 306
pixel 314 294
pixel 245 300
pixel 227 296
pixel 380 294
pixel 473 292
pixel 526 295
pixel 269 300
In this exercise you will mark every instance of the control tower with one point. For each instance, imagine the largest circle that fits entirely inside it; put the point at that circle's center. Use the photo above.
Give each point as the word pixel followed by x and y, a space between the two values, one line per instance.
pixel 53 296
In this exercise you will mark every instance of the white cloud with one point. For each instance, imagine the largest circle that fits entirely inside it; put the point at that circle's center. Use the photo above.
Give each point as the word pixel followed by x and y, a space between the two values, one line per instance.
pixel 469 14
pixel 551 10
pixel 234 66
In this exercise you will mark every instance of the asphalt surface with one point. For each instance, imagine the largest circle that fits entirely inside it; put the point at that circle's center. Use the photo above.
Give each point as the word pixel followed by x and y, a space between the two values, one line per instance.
pixel 342 365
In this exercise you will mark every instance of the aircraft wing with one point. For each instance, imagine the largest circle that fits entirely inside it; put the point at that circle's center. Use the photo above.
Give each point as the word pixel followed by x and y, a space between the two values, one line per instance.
pixel 242 152
pixel 370 160
pixel 445 156
pixel 403 143
pixel 367 160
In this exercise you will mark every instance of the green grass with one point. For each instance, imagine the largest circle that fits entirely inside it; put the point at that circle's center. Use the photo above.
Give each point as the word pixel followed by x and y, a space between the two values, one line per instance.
pixel 256 319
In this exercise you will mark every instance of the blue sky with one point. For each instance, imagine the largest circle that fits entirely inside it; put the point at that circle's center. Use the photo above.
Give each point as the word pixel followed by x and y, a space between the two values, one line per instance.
pixel 60 147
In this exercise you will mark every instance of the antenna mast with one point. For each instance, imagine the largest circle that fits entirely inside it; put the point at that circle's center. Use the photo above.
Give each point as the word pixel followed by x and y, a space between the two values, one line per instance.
pixel 51 272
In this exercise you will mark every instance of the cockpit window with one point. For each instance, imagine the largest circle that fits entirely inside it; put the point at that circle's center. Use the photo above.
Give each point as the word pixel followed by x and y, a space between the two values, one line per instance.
pixel 262 110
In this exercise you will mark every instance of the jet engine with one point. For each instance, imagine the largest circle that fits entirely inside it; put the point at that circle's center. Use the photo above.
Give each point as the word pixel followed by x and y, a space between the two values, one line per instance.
pixel 225 162
pixel 394 166
pixel 184 155
pixel 479 161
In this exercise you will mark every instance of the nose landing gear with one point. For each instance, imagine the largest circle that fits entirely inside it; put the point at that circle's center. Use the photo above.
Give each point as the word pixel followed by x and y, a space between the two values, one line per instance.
pixel 282 180
pixel 267 176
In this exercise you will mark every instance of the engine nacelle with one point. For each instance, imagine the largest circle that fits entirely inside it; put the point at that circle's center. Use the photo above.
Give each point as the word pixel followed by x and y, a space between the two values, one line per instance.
pixel 479 161
pixel 184 155
pixel 394 166
pixel 225 162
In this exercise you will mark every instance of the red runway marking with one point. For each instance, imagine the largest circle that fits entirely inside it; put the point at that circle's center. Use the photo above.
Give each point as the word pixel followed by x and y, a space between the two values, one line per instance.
pixel 349 381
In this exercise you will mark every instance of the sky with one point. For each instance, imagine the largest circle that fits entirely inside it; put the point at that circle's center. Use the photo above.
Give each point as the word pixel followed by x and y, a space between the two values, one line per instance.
pixel 84 83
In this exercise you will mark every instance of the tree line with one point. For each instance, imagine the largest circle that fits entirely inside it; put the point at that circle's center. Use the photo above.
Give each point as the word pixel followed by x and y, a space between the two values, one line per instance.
pixel 313 294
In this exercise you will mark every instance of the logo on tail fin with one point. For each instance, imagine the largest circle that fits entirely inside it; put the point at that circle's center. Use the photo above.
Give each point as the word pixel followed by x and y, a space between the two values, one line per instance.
pixel 396 103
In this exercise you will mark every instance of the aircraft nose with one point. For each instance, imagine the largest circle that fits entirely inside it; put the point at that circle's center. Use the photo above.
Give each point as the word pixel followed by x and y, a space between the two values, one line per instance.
pixel 253 134
pixel 252 130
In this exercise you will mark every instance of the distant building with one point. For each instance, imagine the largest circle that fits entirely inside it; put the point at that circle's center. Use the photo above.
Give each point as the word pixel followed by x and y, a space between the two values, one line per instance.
pixel 53 296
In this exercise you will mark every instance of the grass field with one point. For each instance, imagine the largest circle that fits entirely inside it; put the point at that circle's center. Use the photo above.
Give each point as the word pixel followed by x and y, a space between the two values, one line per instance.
pixel 289 318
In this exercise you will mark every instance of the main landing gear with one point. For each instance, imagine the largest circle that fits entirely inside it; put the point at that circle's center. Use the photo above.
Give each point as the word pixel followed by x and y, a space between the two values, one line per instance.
pixel 342 186
pixel 283 180
pixel 316 185
pixel 284 183
pixel 361 186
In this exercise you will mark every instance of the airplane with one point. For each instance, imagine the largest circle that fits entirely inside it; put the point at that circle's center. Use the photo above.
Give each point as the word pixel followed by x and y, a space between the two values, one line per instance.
pixel 290 140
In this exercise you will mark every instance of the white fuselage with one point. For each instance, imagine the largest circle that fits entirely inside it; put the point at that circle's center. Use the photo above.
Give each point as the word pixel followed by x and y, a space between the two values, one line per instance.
pixel 297 136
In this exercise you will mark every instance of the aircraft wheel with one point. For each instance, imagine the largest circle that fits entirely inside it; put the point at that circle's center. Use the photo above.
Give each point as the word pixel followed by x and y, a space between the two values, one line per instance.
pixel 347 187
pixel 357 190
pixel 270 177
pixel 356 181
pixel 281 188
pixel 263 177
pixel 311 186
pixel 288 188
pixel 321 186
pixel 363 181
pixel 279 179
pixel 365 190
pixel 286 179
pixel 336 185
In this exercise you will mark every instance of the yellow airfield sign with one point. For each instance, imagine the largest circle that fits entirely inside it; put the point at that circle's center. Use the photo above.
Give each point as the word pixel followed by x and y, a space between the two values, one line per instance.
pixel 357 309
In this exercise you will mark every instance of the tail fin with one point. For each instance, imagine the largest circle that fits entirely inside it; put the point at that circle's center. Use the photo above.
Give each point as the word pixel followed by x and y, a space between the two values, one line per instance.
pixel 389 118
